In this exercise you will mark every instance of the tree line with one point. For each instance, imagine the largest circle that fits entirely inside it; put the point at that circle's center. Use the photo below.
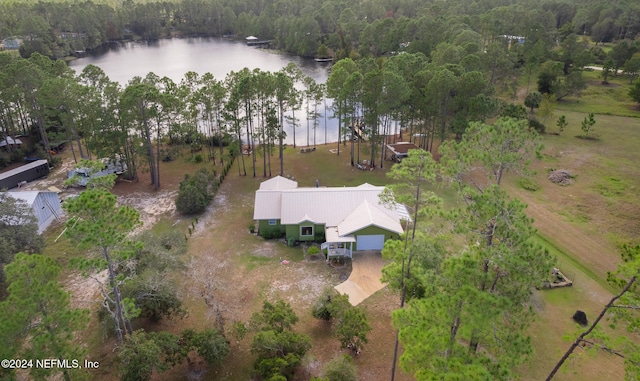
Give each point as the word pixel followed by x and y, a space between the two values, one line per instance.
pixel 453 63
pixel 335 27
pixel 428 97
pixel 149 118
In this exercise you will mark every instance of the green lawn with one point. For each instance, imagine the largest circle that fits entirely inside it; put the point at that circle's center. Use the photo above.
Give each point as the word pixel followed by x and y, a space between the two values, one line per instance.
pixel 609 99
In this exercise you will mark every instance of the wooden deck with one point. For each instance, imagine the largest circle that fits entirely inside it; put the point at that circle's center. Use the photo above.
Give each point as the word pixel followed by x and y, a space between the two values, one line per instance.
pixel 365 276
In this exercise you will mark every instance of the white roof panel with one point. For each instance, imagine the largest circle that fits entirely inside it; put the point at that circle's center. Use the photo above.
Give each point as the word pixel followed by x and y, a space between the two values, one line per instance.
pixel 28 196
pixel 278 183
pixel 327 205
pixel 366 215
pixel 332 235
pixel 267 205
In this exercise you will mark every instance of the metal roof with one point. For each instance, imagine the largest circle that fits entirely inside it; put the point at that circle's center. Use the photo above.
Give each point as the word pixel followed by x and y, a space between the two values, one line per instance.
pixel 22 168
pixel 366 215
pixel 278 183
pixel 327 205
pixel 10 140
pixel 349 208
pixel 402 148
pixel 44 205
pixel 332 235
pixel 267 205
pixel 28 196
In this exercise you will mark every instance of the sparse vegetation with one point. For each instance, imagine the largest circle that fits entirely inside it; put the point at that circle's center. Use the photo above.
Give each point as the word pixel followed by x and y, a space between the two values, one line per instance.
pixel 587 125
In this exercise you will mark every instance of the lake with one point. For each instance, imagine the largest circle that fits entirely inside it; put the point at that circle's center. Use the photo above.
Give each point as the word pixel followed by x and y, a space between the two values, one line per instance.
pixel 175 57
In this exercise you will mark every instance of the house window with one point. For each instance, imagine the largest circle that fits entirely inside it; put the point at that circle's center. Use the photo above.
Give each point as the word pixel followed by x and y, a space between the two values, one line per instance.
pixel 306 231
pixel 273 222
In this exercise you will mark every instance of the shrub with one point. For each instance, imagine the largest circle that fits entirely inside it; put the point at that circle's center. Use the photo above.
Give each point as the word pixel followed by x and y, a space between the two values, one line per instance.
pixel 278 347
pixel 330 305
pixel 313 250
pixel 194 194
pixel 529 184
pixel 537 125
pixel 340 369
pixel 352 329
pixel 271 234
pixel 252 228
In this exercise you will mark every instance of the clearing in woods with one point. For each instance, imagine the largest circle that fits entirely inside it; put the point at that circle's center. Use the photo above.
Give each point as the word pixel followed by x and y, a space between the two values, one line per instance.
pixel 582 224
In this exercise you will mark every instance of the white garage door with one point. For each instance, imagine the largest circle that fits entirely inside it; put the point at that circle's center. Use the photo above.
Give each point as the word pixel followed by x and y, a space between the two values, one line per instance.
pixel 370 242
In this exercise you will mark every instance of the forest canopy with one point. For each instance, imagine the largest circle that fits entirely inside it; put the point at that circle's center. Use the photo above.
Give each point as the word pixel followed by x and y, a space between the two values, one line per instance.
pixel 346 28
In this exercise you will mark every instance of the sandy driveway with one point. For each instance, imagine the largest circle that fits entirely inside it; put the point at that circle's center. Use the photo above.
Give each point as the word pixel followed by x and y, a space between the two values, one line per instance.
pixel 365 276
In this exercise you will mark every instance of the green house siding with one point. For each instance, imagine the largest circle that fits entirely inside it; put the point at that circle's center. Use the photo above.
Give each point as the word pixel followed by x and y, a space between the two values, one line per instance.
pixel 293 231
pixel 264 227
pixel 374 230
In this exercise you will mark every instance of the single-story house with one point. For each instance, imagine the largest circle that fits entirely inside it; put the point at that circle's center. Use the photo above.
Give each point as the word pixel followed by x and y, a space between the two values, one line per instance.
pixel 344 218
pixel 45 205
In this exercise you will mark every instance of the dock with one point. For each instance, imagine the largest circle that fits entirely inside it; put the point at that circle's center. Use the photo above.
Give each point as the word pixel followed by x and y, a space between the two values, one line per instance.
pixel 254 41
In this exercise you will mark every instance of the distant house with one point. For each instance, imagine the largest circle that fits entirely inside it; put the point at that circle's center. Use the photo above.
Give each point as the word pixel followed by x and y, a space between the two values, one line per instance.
pixel 45 206
pixel 71 35
pixel 11 43
pixel 23 174
pixel 346 219
pixel 400 150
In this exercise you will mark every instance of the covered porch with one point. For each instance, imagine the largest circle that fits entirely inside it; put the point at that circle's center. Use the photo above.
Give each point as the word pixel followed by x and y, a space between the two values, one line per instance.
pixel 336 245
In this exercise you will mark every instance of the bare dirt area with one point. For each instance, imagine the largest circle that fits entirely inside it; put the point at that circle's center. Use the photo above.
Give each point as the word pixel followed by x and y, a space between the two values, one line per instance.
pixel 151 206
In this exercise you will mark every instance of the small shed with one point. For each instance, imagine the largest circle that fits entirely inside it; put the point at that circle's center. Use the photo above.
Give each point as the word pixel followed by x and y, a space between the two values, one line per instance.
pixel 45 205
pixel 23 174
pixel 9 141
pixel 400 150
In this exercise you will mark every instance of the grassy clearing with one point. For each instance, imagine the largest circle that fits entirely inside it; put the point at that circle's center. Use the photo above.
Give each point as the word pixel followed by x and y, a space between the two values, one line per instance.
pixel 601 99
pixel 603 199
pixel 569 265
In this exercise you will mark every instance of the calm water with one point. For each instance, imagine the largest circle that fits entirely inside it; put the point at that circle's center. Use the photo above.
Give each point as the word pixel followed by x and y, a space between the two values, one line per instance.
pixel 173 58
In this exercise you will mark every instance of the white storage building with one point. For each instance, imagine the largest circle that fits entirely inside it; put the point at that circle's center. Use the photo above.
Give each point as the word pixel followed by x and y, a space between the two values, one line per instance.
pixel 45 205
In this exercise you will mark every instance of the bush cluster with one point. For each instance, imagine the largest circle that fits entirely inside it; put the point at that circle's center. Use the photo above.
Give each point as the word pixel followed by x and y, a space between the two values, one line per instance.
pixel 196 192
pixel 529 184
pixel 351 325
pixel 271 234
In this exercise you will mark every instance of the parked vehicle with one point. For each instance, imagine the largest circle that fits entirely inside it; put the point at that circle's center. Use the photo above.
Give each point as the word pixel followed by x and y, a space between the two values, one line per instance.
pixel 111 166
